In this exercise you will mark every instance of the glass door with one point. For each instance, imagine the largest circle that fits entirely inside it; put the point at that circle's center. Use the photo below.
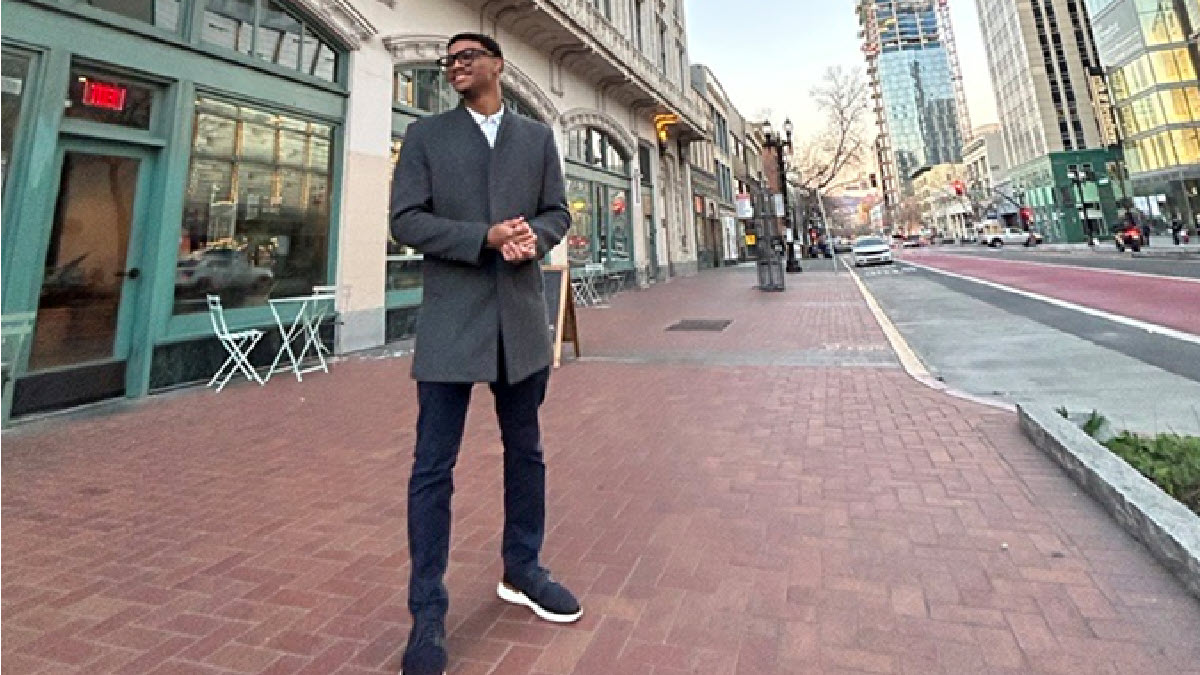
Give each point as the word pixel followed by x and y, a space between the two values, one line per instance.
pixel 81 334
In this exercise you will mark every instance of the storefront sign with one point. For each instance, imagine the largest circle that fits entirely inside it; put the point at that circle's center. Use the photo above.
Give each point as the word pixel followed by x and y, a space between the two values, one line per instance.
pixel 745 209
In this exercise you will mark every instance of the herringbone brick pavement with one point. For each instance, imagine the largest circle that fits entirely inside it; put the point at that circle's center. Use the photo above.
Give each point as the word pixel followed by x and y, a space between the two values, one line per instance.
pixel 775 498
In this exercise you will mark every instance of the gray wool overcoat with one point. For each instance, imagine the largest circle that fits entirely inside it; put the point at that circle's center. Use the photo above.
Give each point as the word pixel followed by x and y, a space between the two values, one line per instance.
pixel 449 188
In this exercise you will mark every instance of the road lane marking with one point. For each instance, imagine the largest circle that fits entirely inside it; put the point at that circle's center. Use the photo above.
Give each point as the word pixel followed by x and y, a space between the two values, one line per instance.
pixel 1091 311
pixel 1149 275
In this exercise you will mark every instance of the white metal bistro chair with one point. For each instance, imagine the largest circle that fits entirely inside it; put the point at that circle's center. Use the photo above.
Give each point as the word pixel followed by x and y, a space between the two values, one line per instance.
pixel 238 344
pixel 325 304
pixel 16 331
pixel 591 274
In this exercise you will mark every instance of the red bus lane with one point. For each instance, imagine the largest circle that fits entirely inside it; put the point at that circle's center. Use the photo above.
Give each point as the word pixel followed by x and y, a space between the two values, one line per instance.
pixel 1165 301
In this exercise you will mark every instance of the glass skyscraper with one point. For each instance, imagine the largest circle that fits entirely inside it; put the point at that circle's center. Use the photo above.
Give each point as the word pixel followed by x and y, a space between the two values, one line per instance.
pixel 916 84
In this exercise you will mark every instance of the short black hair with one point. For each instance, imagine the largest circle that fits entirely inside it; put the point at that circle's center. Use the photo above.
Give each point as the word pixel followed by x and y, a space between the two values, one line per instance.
pixel 489 43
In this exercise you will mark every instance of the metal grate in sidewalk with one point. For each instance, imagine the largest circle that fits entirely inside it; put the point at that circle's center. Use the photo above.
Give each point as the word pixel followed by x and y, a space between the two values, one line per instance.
pixel 710 325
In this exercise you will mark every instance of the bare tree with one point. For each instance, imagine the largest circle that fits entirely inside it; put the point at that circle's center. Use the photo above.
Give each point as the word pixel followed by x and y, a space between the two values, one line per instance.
pixel 843 97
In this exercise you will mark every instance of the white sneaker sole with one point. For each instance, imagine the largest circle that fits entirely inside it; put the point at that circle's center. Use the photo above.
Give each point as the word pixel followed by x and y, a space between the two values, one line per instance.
pixel 515 597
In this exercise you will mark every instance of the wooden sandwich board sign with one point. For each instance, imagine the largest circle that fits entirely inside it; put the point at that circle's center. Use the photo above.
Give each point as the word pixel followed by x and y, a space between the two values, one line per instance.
pixel 560 309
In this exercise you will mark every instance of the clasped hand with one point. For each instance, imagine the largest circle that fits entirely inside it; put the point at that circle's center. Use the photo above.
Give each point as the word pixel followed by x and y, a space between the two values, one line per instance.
pixel 514 238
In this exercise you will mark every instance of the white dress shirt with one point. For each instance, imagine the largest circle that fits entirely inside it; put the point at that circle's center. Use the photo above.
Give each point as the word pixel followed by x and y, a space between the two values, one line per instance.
pixel 489 124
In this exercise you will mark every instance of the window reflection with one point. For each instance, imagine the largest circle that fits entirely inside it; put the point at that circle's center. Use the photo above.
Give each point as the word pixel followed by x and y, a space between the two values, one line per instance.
pixel 161 13
pixel 15 71
pixel 281 38
pixel 256 215
pixel 595 148
pixel 403 262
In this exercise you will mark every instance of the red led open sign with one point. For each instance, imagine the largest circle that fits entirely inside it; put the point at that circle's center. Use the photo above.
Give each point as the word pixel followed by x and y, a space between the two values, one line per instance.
pixel 104 95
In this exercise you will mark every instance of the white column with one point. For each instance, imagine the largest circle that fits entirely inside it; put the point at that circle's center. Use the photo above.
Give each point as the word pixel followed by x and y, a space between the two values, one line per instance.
pixel 366 189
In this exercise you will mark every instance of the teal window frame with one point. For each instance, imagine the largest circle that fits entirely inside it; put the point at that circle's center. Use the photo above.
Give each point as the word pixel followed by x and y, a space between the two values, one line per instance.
pixel 63 33
pixel 189 33
pixel 16 170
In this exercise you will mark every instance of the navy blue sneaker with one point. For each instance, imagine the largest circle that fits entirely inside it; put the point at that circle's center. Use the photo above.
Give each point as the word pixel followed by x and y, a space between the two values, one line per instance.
pixel 426 650
pixel 547 598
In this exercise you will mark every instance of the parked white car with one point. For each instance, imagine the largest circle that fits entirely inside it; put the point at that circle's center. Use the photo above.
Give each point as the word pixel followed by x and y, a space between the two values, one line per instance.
pixel 870 251
pixel 1010 235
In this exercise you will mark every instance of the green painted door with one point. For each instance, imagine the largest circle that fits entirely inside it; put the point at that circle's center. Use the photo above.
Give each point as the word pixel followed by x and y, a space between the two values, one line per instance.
pixel 88 305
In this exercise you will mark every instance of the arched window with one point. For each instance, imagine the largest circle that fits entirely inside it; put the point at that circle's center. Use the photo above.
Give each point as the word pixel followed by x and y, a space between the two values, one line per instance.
pixel 426 89
pixel 267 30
pixel 595 148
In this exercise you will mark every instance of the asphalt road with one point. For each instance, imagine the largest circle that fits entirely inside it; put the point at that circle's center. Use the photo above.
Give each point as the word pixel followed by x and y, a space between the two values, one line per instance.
pixel 991 342
pixel 1102 259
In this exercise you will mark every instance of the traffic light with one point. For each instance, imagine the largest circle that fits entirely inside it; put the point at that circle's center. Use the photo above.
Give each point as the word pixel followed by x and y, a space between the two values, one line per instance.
pixel 959 188
pixel 1026 215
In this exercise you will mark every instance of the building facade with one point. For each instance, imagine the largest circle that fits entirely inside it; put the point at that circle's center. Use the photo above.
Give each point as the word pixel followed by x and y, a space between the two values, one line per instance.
pixel 944 212
pixel 714 164
pixel 1148 49
pixel 916 84
pixel 245 148
pixel 985 175
pixel 1041 55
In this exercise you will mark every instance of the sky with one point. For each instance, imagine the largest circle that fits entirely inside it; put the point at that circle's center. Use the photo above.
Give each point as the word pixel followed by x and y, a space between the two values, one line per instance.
pixel 768 54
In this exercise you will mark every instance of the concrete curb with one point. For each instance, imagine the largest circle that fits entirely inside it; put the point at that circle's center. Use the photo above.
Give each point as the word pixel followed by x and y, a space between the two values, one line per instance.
pixel 1167 528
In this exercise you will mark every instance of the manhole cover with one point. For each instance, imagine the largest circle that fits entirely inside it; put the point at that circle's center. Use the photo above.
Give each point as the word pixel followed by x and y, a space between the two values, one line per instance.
pixel 711 325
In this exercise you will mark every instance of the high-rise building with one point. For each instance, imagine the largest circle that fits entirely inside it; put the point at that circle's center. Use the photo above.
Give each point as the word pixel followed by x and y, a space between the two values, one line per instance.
pixel 1148 50
pixel 1041 54
pixel 916 84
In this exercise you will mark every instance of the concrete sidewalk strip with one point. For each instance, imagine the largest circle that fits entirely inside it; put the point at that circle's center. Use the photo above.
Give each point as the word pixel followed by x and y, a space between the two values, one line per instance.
pixel 754 509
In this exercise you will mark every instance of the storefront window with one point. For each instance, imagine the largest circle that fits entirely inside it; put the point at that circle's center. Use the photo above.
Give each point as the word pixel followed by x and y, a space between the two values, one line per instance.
pixel 403 262
pixel 161 13
pixel 600 225
pixel 281 38
pixel 15 78
pixel 256 211
pixel 581 240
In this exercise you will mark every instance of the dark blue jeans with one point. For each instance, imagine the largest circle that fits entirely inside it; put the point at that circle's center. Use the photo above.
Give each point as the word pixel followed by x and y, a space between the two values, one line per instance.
pixel 443 413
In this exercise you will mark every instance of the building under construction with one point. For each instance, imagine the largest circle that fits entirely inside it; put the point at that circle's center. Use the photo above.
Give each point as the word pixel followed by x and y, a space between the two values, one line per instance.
pixel 916 87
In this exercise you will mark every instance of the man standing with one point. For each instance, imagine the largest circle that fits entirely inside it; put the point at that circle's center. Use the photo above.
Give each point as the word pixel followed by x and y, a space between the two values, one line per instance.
pixel 479 191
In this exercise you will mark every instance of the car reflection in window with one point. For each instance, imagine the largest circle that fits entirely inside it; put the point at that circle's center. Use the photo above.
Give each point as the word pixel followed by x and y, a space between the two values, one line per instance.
pixel 226 271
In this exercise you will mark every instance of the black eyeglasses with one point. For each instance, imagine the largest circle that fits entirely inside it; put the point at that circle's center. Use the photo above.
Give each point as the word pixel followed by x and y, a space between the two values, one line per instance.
pixel 466 57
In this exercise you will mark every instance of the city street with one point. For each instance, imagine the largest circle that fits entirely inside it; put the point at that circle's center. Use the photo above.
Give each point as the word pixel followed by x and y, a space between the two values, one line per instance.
pixel 1122 341
pixel 776 497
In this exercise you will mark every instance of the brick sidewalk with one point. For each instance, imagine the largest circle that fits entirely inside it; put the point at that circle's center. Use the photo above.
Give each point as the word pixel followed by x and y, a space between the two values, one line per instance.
pixel 775 498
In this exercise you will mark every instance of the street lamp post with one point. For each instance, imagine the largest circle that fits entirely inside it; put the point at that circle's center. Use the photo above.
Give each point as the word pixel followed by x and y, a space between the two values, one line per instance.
pixel 783 143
